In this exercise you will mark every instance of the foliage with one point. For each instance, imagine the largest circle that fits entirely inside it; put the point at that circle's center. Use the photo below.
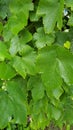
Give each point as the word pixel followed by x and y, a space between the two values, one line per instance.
pixel 36 64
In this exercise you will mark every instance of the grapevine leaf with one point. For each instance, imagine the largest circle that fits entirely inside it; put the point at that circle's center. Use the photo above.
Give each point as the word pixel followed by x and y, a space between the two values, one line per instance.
pixel 25 36
pixel 7 34
pixel 28 5
pixel 68 108
pixel 41 39
pixel 4 8
pixel 62 37
pixel 60 13
pixel 14 47
pixel 16 23
pixel 4 52
pixel 70 22
pixel 19 18
pixel 26 64
pixel 17 44
pixel 33 16
pixel 37 88
pixel 69 3
pixel 56 113
pixel 65 64
pixel 17 97
pixel 36 63
pixel 29 58
pixel 38 114
pixel 48 67
pixel 1 27
pixel 67 44
pixel 55 63
pixel 19 66
pixel 6 71
pixel 49 11
pixel 5 109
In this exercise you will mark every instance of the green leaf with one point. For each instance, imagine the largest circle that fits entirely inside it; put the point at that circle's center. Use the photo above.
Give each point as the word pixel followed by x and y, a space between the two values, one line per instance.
pixel 69 3
pixel 28 5
pixel 67 44
pixel 56 113
pixel 36 63
pixel 1 27
pixel 17 97
pixel 21 82
pixel 33 16
pixel 48 67
pixel 19 66
pixel 18 43
pixel 37 88
pixel 17 23
pixel 7 34
pixel 29 59
pixel 39 106
pixel 4 52
pixel 15 45
pixel 25 36
pixel 55 63
pixel 67 109
pixel 5 109
pixel 65 62
pixel 6 71
pixel 60 14
pixel 62 37
pixel 41 39
pixel 38 114
pixel 4 8
pixel 26 64
pixel 70 22
pixel 19 18
pixel 49 11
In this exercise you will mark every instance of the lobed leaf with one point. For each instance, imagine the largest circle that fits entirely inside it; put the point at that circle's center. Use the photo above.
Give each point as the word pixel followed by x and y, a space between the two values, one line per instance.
pixel 55 63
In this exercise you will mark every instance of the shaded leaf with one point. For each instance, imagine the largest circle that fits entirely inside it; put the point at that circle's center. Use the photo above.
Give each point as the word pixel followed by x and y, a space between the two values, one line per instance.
pixel 37 88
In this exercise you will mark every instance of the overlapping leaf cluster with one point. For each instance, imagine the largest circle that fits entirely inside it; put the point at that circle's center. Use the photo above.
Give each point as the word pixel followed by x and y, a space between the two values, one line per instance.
pixel 36 63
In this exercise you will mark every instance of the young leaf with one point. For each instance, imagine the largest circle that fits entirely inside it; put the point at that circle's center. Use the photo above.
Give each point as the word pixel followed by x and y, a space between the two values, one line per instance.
pixel 67 44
